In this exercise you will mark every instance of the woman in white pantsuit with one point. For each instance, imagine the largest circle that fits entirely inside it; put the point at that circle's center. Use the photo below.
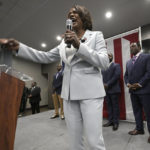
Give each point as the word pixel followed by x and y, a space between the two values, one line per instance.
pixel 82 89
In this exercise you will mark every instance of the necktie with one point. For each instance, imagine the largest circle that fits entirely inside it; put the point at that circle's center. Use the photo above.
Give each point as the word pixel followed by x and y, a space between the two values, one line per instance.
pixel 134 59
pixel 57 75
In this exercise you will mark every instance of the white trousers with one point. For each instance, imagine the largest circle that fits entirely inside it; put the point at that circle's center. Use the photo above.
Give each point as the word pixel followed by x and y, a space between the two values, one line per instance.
pixel 85 115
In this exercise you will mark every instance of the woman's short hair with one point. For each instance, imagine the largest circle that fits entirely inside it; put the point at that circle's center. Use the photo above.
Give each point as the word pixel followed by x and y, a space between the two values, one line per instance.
pixel 85 16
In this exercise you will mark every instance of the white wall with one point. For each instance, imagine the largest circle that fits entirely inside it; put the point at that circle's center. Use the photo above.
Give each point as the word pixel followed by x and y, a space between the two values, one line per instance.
pixel 33 70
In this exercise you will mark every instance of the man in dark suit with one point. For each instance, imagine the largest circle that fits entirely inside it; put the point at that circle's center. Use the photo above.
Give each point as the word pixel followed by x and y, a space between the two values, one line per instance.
pixel 57 86
pixel 35 97
pixel 137 79
pixel 111 78
pixel 23 101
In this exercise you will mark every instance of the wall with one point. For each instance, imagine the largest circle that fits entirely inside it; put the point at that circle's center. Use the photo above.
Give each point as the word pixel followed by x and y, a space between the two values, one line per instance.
pixel 145 35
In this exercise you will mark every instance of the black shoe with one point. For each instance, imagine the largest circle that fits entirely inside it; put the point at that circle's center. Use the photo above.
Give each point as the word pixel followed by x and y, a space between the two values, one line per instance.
pixel 115 127
pixel 108 124
pixel 54 116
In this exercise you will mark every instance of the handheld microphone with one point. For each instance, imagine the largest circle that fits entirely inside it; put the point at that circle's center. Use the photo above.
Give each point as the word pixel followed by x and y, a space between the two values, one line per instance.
pixel 83 40
pixel 69 27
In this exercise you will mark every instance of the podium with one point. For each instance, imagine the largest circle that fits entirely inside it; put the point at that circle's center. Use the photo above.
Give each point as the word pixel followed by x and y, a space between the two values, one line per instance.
pixel 11 89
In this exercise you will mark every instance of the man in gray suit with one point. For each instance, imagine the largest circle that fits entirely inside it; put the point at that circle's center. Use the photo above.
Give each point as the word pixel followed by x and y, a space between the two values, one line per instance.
pixel 82 90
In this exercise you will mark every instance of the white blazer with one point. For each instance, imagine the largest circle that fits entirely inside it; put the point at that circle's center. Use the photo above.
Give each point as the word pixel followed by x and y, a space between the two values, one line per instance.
pixel 82 77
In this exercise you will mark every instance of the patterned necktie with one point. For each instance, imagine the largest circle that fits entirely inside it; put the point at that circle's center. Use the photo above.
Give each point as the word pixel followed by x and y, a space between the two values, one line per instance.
pixel 134 59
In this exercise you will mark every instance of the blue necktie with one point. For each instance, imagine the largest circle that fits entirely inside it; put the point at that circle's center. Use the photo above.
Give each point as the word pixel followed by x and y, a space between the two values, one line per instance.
pixel 134 59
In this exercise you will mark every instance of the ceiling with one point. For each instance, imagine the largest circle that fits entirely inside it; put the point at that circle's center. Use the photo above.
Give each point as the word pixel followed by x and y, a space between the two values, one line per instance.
pixel 36 21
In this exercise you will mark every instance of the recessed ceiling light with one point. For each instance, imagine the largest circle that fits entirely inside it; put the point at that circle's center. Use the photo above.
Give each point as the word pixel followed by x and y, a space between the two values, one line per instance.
pixel 108 14
pixel 58 38
pixel 43 45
